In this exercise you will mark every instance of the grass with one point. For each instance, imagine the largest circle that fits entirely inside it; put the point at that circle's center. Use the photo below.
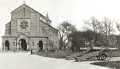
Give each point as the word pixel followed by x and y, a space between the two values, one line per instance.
pixel 56 54
pixel 65 53
pixel 110 64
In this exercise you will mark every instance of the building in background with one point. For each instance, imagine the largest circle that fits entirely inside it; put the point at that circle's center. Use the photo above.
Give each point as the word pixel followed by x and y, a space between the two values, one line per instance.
pixel 29 29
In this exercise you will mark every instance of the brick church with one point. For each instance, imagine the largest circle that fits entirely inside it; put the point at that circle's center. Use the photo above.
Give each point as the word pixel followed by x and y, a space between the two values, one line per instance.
pixel 29 30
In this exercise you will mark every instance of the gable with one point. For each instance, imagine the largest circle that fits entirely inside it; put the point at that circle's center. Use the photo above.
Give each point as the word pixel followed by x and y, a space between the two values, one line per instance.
pixel 33 19
pixel 29 9
pixel 25 8
pixel 21 7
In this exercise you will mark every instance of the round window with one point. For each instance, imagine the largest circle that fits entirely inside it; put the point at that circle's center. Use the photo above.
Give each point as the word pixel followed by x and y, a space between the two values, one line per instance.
pixel 24 24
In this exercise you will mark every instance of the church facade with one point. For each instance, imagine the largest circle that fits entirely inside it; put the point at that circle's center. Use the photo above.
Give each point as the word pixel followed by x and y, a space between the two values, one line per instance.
pixel 29 30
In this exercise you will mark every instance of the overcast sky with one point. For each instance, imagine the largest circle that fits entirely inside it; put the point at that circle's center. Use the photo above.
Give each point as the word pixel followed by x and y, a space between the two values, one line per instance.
pixel 74 11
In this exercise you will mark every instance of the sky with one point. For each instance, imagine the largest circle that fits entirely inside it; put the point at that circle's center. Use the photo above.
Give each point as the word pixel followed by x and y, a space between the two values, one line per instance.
pixel 73 11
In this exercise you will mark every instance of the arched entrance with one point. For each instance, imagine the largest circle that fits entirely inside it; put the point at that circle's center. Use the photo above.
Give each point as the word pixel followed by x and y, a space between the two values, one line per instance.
pixel 7 45
pixel 40 44
pixel 23 44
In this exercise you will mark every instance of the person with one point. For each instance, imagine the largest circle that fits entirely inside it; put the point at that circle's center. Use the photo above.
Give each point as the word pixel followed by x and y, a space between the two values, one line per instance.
pixel 31 52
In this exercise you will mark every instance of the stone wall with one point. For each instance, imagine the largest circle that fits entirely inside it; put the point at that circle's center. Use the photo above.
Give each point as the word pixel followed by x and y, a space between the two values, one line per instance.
pixel 12 43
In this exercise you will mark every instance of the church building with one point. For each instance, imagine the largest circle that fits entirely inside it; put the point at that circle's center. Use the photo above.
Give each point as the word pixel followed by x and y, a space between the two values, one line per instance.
pixel 29 30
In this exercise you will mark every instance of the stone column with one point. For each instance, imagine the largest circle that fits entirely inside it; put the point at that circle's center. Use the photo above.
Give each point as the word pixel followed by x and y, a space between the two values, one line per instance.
pixel 3 47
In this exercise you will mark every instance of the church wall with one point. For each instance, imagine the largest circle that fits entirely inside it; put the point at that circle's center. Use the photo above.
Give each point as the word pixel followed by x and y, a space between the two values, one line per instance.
pixel 7 29
pixel 34 43
pixel 51 33
pixel 14 17
pixel 43 29
pixel 29 14
pixel 12 43
pixel 13 27
pixel 54 39
pixel 35 24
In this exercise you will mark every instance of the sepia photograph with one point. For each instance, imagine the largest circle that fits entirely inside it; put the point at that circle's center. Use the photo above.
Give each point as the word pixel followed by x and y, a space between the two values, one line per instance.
pixel 59 34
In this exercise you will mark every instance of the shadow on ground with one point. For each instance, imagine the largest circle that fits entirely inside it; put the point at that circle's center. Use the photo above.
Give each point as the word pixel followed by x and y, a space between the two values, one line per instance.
pixel 111 64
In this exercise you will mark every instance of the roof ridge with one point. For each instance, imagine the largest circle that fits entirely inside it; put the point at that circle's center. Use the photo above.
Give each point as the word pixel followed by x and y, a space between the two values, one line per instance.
pixel 49 25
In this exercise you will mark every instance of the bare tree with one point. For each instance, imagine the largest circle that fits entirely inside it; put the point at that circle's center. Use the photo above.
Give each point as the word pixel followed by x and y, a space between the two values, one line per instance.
pixel 65 28
pixel 104 27
pixel 118 37
pixel 107 29
pixel 95 26
pixel 118 26
pixel 93 23
pixel 107 26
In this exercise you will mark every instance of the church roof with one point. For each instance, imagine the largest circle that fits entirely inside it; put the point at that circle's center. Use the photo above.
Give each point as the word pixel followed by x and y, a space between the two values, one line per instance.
pixel 50 26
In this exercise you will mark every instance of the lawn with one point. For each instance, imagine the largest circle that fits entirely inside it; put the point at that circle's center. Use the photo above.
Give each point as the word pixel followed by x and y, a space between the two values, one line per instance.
pixel 59 54
pixel 111 64
pixel 69 55
pixel 56 54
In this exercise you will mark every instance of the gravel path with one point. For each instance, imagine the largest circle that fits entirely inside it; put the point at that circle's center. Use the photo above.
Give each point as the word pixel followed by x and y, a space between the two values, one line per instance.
pixel 26 61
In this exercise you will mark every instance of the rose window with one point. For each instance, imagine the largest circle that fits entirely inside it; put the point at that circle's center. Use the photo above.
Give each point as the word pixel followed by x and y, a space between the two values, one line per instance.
pixel 24 24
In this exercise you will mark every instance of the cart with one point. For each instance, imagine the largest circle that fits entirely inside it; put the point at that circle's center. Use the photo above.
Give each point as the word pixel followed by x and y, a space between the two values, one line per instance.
pixel 98 54
pixel 95 54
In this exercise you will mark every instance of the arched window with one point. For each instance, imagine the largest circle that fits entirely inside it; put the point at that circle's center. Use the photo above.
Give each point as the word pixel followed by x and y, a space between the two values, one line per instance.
pixel 40 44
pixel 7 45
pixel 23 44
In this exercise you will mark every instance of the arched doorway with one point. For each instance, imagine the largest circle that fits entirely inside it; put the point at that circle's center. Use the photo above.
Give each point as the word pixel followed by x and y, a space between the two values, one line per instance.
pixel 7 45
pixel 40 44
pixel 23 44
